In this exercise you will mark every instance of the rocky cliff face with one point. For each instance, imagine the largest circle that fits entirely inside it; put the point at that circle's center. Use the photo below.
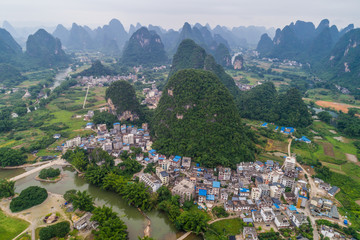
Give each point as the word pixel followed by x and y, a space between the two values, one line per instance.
pixel 238 62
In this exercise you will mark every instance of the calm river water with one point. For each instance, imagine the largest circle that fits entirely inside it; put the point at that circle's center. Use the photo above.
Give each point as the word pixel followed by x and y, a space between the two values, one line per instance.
pixel 161 228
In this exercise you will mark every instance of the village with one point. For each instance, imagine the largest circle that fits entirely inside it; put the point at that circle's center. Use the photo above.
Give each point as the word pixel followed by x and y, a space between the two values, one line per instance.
pixel 267 194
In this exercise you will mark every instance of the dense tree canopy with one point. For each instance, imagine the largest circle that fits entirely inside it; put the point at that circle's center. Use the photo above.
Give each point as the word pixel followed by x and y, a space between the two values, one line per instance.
pixel 28 197
pixel 197 117
pixel 83 201
pixel 49 173
pixel 110 225
pixel 7 188
pixel 59 230
pixel 191 55
pixel 264 103
pixel 11 157
pixel 144 48
pixel 97 69
pixel 104 118
pixel 122 95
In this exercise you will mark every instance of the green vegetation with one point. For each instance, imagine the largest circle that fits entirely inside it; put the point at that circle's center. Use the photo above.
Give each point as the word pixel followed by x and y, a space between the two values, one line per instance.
pixel 191 55
pixel 7 188
pixel 201 106
pixel 195 221
pixel 49 173
pixel 220 212
pixel 82 201
pixel 264 103
pixel 349 124
pixel 11 157
pixel 10 76
pixel 11 227
pixel 224 228
pixel 104 118
pixel 122 95
pixel 59 230
pixel 97 69
pixel 144 48
pixel 110 225
pixel 28 198
pixel 45 50
pixel 269 236
pixel 222 55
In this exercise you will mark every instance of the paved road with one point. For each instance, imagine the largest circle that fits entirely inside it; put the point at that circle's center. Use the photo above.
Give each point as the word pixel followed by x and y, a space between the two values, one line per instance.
pixel 51 163
pixel 313 189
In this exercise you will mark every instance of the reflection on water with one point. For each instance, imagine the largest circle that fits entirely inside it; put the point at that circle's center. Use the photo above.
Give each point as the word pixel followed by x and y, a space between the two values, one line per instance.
pixel 10 173
pixel 161 228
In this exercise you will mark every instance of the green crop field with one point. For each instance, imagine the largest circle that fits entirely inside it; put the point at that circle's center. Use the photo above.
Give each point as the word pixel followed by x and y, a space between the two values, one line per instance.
pixel 11 227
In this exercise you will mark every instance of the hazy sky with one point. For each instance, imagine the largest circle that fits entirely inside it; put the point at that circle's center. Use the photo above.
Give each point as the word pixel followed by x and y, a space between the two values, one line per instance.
pixel 173 13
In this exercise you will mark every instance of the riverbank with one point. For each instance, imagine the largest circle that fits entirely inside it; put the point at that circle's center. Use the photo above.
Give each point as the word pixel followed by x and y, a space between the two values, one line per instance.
pixel 161 227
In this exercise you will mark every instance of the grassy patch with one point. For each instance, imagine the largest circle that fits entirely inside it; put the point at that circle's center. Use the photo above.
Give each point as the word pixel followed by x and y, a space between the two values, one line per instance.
pixel 224 228
pixel 11 227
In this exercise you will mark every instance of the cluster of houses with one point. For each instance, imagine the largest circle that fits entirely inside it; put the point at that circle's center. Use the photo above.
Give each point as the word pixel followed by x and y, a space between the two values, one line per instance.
pixel 115 140
pixel 256 191
pixel 152 96
pixel 104 80
pixel 247 87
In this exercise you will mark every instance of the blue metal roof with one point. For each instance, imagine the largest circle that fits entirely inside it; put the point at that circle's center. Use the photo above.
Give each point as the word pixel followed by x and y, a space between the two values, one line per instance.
pixel 210 197
pixel 244 190
pixel 117 123
pixel 264 124
pixel 277 127
pixel 216 184
pixel 277 206
pixel 202 192
pixel 292 208
pixel 147 159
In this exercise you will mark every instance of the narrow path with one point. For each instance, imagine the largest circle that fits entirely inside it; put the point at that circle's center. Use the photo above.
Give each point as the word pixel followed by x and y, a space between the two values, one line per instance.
pixel 27 229
pixel 289 147
pixel 313 189
pixel 25 174
pixel 87 91
pixel 184 236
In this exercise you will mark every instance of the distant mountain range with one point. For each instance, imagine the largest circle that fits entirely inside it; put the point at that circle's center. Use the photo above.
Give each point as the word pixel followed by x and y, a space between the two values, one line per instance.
pixel 42 50
pixel 333 54
pixel 100 37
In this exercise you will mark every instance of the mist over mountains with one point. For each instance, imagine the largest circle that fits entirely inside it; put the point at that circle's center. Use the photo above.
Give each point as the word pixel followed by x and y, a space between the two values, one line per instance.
pixel 114 31
pixel 327 50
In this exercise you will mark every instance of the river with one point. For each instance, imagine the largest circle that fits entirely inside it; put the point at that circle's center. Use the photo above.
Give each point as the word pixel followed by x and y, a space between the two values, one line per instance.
pixel 60 77
pixel 161 227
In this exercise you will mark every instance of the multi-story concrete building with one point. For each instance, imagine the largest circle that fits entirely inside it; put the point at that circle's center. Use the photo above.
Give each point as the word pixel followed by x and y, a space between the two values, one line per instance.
pixel 185 189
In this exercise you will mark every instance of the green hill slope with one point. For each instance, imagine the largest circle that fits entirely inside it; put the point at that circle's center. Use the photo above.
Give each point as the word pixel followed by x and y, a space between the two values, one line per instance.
pixel 197 117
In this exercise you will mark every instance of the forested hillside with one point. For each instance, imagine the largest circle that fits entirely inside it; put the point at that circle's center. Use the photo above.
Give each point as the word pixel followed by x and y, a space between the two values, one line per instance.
pixel 197 117
pixel 265 104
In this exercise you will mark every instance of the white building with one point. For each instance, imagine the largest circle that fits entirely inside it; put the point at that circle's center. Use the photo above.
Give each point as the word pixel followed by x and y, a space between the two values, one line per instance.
pixel 255 193
pixel 281 221
pixel 150 181
pixel 267 214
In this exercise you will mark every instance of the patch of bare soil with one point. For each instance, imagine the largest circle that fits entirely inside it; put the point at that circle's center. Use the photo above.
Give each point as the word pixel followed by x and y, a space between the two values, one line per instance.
pixel 328 149
pixel 351 157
